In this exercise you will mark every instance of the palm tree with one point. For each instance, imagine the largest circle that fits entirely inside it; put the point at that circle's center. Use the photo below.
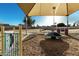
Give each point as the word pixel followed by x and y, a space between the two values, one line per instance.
pixel 25 24
pixel 24 20
pixel 29 22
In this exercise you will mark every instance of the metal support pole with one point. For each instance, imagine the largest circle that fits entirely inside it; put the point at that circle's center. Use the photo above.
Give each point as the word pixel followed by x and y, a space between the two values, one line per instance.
pixel 67 21
pixel 66 30
pixel 67 14
pixel 53 17
pixel 53 14
pixel 26 28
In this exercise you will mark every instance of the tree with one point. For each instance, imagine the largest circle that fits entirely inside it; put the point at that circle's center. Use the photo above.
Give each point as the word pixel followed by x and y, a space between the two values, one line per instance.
pixel 25 25
pixel 24 20
pixel 61 25
pixel 29 21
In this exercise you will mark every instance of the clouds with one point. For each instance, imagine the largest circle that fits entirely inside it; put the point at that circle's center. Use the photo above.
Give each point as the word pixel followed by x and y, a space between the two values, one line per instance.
pixel 48 20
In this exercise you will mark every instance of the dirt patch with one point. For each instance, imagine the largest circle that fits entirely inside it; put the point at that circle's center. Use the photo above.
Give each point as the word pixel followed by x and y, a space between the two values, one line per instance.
pixel 54 47
pixel 39 46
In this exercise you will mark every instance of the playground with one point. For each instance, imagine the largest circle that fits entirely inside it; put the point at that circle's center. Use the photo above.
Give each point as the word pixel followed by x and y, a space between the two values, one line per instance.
pixel 38 45
pixel 28 37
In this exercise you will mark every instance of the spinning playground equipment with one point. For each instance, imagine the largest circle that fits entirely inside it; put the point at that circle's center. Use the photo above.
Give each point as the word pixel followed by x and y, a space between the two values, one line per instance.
pixel 11 42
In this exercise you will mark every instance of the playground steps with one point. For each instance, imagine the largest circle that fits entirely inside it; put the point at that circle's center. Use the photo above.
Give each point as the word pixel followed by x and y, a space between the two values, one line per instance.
pixel 0 52
pixel 0 47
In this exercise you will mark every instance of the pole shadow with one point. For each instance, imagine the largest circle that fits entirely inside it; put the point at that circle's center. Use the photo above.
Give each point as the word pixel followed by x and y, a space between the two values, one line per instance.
pixel 73 37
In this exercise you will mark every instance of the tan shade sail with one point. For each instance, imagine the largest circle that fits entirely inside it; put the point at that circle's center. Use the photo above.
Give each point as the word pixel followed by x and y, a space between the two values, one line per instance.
pixel 26 7
pixel 47 9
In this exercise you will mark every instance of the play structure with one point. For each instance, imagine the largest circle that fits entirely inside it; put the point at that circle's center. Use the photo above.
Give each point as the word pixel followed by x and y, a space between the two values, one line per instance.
pixel 65 30
pixel 11 42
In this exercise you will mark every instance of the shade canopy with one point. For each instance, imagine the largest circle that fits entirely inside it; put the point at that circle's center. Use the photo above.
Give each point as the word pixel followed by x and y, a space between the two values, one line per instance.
pixel 49 9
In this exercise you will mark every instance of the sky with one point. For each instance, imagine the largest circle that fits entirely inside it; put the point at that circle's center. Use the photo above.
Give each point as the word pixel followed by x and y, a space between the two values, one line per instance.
pixel 48 20
pixel 12 14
